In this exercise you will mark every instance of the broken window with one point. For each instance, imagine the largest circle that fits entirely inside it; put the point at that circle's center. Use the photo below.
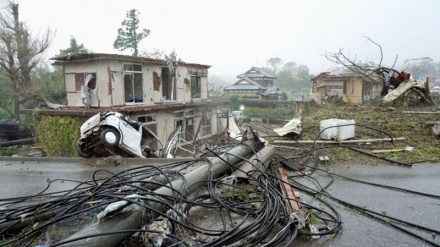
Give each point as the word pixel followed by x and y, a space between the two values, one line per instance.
pixel 185 119
pixel 149 122
pixel 147 119
pixel 196 87
pixel 156 81
pixel 80 79
pixel 206 125
pixel 168 84
pixel 133 83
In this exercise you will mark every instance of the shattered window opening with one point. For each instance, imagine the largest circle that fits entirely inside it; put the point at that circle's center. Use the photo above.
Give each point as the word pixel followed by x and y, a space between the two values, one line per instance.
pixel 206 125
pixel 168 84
pixel 147 119
pixel 80 80
pixel 196 87
pixel 179 114
pixel 149 122
pixel 185 119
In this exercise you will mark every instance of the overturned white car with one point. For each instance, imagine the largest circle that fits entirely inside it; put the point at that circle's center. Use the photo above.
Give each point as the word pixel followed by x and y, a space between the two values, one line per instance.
pixel 112 133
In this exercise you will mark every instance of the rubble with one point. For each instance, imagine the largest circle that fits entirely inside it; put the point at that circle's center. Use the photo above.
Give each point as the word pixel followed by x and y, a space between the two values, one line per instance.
pixel 292 127
pixel 239 189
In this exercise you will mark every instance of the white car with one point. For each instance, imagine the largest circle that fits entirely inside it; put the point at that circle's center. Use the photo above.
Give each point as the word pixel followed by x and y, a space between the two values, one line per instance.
pixel 109 133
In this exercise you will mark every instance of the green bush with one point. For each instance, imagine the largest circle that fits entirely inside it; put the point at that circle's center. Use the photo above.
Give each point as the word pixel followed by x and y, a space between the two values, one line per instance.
pixel 6 152
pixel 234 103
pixel 270 115
pixel 58 135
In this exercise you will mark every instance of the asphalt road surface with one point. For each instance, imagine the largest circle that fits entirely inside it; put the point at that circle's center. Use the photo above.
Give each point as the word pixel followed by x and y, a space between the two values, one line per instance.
pixel 21 177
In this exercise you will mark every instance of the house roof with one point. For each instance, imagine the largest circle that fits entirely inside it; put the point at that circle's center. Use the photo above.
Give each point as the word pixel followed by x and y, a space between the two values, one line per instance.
pixel 88 57
pixel 256 72
pixel 328 76
pixel 245 83
pixel 86 112
pixel 271 91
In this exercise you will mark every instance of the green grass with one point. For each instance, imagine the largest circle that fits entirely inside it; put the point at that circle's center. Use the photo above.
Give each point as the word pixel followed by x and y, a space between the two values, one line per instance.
pixel 383 121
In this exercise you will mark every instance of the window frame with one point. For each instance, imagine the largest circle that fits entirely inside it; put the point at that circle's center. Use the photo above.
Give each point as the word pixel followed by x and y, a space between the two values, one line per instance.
pixel 80 78
pixel 134 70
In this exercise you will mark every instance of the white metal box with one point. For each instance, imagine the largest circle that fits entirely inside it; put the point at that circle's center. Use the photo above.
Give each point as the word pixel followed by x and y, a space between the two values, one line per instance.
pixel 337 129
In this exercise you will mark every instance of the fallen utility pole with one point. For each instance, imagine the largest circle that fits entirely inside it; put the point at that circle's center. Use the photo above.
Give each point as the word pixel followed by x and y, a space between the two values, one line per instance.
pixel 344 141
pixel 260 161
pixel 17 142
pixel 112 230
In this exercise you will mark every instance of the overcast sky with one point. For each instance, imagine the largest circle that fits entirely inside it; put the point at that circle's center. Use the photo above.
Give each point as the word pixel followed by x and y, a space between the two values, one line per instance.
pixel 234 35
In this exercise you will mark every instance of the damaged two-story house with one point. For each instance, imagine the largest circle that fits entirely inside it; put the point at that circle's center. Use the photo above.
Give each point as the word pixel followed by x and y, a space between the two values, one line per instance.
pixel 254 84
pixel 161 95
pixel 349 88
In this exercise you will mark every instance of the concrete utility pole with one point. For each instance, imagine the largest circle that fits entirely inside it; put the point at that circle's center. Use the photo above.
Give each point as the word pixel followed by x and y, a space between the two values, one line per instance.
pixel 103 233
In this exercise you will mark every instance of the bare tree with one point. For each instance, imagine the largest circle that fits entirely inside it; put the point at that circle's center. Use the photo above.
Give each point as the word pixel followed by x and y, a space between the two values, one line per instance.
pixel 375 72
pixel 20 53
pixel 379 73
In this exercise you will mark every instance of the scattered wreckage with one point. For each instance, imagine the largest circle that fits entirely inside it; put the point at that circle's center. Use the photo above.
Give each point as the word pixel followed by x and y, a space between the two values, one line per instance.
pixel 112 133
pixel 400 85
pixel 159 206
pixel 242 195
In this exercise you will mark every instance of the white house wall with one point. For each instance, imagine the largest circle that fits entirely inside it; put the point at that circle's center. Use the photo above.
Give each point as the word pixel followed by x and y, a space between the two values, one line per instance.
pixel 117 80
pixel 111 73
pixel 183 90
pixel 204 92
pixel 99 96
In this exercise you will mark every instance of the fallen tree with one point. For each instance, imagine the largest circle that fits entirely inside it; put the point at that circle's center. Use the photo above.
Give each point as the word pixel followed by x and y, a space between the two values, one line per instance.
pixel 388 77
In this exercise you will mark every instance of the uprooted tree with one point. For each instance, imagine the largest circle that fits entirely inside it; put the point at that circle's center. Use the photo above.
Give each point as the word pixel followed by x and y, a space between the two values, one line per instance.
pixel 388 77
pixel 20 53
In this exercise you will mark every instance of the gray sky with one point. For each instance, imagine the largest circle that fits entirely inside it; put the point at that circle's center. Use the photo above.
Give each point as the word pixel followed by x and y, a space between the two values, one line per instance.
pixel 234 35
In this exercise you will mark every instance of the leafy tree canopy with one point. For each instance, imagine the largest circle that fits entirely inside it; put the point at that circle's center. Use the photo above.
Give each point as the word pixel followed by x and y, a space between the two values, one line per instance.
pixel 74 48
pixel 128 35
pixel 158 54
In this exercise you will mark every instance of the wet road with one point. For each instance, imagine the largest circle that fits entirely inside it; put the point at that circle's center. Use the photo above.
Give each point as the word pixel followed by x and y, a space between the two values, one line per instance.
pixel 26 177
pixel 361 230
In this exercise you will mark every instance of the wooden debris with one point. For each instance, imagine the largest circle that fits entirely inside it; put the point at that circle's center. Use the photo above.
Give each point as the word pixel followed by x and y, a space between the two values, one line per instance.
pixel 344 141
pixel 394 150
pixel 288 191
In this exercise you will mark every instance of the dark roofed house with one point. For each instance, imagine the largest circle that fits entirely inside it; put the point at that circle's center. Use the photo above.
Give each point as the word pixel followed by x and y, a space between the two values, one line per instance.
pixel 254 84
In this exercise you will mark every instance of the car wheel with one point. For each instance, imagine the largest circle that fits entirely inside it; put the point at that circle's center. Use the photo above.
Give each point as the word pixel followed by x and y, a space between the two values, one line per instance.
pixel 80 150
pixel 110 137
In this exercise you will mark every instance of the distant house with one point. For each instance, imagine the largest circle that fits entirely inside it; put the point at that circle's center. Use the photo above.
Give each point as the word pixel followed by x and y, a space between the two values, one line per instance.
pixel 162 95
pixel 350 88
pixel 254 84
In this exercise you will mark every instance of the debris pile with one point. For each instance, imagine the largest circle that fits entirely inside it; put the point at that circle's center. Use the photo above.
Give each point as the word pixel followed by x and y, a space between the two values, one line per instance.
pixel 213 201
pixel 246 195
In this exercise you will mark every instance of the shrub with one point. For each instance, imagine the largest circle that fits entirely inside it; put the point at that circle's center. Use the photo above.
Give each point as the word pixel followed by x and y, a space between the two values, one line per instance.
pixel 58 135
pixel 234 103
pixel 270 115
